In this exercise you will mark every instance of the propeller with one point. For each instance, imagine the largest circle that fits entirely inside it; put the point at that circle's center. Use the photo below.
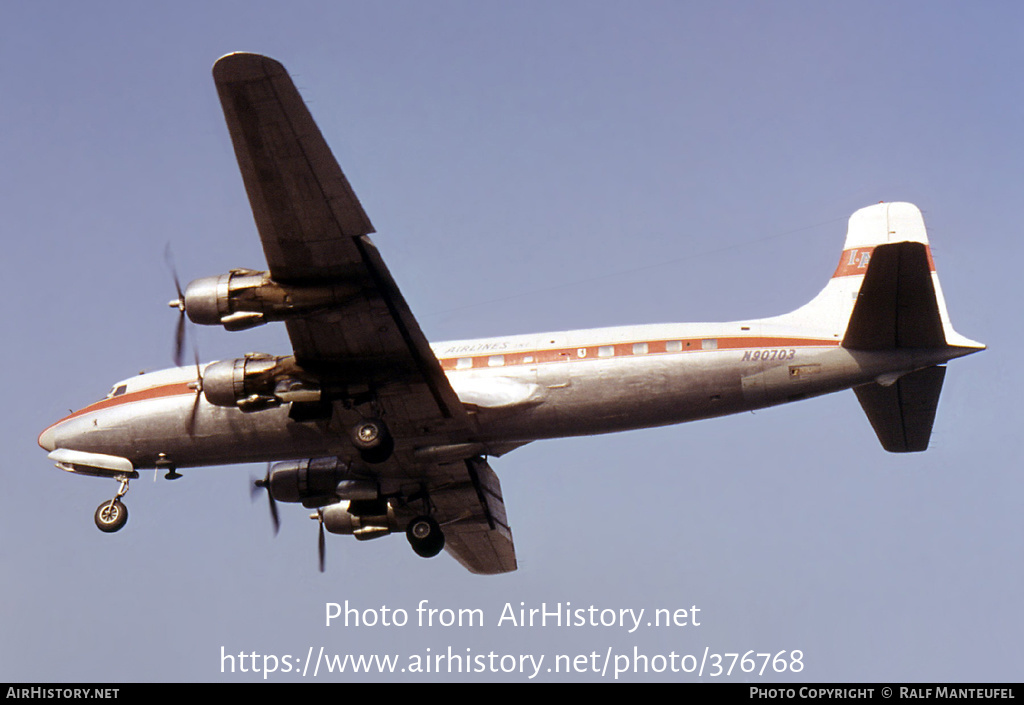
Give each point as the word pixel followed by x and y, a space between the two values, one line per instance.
pixel 264 484
pixel 321 541
pixel 178 303
pixel 179 340
pixel 197 385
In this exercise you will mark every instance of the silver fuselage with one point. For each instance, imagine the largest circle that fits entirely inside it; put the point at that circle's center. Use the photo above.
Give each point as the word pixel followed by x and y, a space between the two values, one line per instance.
pixel 519 388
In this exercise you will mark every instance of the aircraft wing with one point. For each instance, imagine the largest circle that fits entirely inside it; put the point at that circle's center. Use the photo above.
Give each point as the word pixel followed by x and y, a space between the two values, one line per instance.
pixel 314 232
pixel 472 515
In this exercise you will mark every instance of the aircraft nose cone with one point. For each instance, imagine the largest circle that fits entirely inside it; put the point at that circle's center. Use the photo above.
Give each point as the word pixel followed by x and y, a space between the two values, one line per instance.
pixel 48 438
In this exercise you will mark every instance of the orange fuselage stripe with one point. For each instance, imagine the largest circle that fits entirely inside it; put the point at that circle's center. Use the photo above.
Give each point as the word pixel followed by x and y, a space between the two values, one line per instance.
pixel 518 357
pixel 164 390
pixel 654 347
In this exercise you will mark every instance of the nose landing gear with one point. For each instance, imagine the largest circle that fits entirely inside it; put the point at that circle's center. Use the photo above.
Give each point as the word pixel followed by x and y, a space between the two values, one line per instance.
pixel 111 516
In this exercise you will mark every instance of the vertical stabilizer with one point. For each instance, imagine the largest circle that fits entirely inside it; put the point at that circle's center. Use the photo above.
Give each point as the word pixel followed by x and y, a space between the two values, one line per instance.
pixel 885 297
pixel 897 304
pixel 903 295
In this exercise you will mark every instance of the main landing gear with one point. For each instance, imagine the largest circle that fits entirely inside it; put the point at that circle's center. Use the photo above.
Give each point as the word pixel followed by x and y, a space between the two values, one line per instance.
pixel 425 536
pixel 113 515
pixel 373 441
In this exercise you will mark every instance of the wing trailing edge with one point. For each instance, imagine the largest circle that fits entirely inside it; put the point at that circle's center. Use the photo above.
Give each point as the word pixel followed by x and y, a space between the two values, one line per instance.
pixel 481 540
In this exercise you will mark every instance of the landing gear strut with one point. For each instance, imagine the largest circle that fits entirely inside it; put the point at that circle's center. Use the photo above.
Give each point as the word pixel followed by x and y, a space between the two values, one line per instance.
pixel 425 536
pixel 113 515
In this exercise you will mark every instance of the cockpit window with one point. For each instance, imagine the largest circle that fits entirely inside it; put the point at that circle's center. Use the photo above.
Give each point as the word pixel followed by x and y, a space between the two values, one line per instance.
pixel 118 390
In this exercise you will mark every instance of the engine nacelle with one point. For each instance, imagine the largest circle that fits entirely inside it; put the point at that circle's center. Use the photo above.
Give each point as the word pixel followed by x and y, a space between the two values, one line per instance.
pixel 244 298
pixel 320 481
pixel 258 381
pixel 364 520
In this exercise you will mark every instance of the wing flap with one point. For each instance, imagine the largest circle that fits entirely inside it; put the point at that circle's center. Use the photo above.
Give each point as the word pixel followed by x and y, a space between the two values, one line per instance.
pixel 476 528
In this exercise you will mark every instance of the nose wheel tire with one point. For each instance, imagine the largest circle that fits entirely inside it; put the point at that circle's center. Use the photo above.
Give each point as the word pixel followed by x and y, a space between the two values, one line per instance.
pixel 111 516
pixel 425 536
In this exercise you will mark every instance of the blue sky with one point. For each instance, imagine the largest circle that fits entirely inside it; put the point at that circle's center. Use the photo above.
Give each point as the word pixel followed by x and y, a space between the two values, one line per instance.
pixel 528 166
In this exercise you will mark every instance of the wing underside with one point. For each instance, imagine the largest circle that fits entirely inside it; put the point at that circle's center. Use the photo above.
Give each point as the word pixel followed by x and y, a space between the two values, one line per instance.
pixel 477 535
pixel 315 233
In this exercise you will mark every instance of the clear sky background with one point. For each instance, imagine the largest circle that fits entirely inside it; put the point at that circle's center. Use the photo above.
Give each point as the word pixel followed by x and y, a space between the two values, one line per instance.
pixel 528 166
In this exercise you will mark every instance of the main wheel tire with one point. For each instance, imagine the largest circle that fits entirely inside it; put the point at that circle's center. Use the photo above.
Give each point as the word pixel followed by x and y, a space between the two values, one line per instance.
pixel 373 441
pixel 425 536
pixel 369 434
pixel 111 516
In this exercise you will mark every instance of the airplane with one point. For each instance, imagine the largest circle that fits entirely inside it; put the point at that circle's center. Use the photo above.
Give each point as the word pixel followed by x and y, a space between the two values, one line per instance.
pixel 381 432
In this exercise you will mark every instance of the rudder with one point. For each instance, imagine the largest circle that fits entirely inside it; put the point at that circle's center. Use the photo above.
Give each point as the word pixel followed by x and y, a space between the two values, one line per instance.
pixel 896 305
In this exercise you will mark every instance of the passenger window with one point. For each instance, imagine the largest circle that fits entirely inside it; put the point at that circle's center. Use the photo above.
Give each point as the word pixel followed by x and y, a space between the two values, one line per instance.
pixel 463 363
pixel 674 346
pixel 496 361
pixel 639 348
pixel 709 344
pixel 606 351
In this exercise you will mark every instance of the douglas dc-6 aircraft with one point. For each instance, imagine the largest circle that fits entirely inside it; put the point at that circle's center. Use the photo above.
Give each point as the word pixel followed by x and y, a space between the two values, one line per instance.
pixel 382 432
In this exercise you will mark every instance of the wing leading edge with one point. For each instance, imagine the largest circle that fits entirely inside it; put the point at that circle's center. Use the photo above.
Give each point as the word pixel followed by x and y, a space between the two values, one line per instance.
pixel 314 232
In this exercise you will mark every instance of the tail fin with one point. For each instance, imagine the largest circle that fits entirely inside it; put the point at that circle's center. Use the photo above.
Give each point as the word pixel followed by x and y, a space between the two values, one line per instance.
pixel 900 304
pixel 885 296
pixel 897 303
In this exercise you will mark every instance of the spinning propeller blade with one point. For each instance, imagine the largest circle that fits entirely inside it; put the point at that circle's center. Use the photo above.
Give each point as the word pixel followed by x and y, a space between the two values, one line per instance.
pixel 198 386
pixel 264 484
pixel 179 303
pixel 321 541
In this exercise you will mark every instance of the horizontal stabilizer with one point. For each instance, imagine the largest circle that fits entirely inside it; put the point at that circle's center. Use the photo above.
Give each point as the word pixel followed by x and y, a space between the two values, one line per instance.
pixel 897 306
pixel 903 412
